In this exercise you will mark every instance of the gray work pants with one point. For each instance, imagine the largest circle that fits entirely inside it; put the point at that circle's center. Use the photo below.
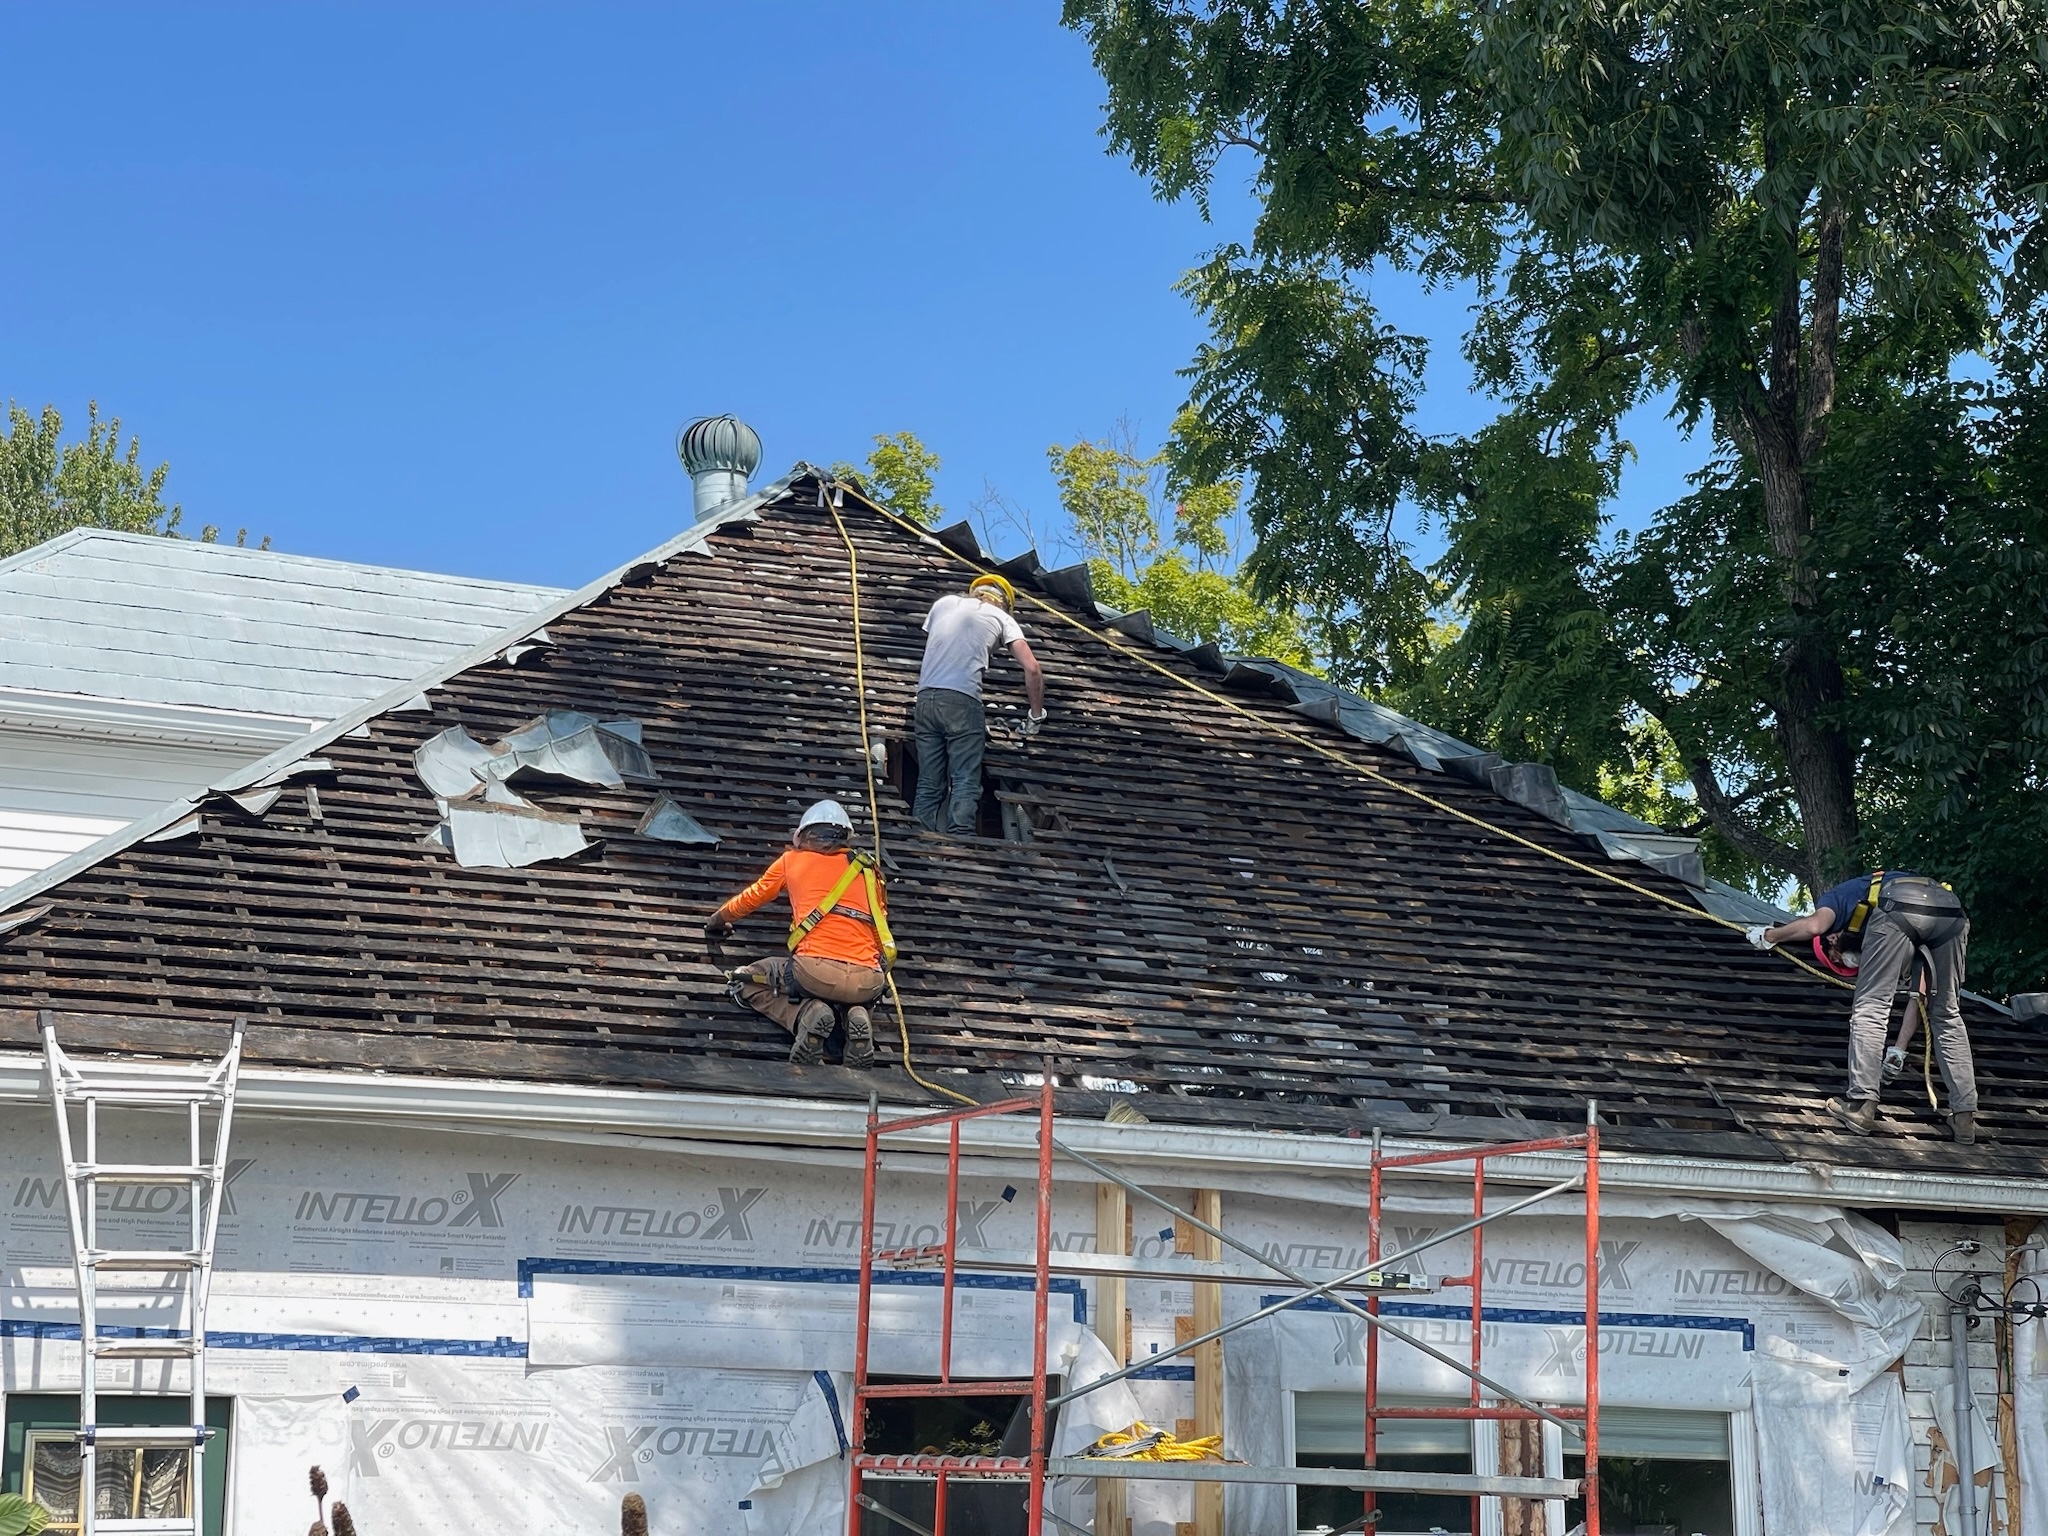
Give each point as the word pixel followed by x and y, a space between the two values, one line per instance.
pixel 1887 952
pixel 951 737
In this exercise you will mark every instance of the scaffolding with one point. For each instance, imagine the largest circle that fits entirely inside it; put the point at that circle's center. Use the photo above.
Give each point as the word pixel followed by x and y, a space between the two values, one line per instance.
pixel 1488 1399
pixel 193 1093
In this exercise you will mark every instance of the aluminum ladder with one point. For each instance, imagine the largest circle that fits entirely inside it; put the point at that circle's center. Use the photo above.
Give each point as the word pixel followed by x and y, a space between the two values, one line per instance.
pixel 192 1090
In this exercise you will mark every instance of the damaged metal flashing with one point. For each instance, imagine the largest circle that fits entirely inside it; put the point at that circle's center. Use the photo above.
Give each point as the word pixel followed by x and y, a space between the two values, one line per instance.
pixel 537 644
pixel 668 822
pixel 24 917
pixel 487 836
pixel 486 823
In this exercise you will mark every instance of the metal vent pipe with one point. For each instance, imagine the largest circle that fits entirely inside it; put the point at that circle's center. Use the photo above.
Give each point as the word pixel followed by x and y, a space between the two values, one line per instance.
pixel 719 452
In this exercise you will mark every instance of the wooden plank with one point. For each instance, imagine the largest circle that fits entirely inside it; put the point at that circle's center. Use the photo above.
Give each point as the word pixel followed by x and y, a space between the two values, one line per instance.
pixel 1113 1327
pixel 1208 1358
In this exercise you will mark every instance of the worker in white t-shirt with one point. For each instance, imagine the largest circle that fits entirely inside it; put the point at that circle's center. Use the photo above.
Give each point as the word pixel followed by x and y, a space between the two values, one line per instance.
pixel 952 732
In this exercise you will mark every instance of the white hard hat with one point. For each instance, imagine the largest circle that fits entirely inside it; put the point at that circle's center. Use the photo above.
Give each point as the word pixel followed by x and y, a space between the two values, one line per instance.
pixel 826 813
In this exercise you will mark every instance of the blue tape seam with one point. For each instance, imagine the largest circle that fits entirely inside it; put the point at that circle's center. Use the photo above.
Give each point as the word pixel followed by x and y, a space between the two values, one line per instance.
pixel 1062 1285
pixel 1741 1325
pixel 824 1381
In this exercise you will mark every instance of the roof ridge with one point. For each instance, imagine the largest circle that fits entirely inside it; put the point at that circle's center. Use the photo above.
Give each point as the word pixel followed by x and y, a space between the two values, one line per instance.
pixel 86 533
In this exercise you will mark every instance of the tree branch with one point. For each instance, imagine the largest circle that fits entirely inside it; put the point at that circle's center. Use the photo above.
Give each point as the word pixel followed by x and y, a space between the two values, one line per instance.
pixel 1743 834
pixel 1481 197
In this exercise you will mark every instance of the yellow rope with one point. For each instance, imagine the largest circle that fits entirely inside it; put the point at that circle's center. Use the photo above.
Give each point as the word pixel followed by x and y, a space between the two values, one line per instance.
pixel 1926 1048
pixel 1162 1446
pixel 867 754
pixel 1302 739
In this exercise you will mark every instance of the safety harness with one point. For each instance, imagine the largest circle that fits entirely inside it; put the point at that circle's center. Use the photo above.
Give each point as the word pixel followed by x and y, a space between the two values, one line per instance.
pixel 858 866
pixel 1860 914
pixel 1925 924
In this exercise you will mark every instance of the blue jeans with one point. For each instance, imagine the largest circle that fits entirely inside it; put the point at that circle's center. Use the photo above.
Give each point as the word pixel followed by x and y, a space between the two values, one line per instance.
pixel 951 737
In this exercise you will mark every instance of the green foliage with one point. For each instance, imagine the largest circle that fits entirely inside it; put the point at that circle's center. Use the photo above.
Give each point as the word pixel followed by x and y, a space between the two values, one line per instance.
pixel 1791 222
pixel 1116 501
pixel 901 473
pixel 19 1517
pixel 48 486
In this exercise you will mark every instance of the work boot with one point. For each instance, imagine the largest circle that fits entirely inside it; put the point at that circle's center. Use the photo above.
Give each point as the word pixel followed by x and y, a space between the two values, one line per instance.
pixel 813 1024
pixel 1964 1124
pixel 860 1039
pixel 1860 1116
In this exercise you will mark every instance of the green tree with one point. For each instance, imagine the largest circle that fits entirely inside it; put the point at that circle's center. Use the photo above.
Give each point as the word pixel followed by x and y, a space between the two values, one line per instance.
pixel 49 486
pixel 1789 220
pixel 902 474
pixel 1117 501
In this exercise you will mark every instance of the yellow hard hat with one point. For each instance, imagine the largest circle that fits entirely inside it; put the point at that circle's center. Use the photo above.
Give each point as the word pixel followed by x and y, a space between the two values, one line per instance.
pixel 1009 592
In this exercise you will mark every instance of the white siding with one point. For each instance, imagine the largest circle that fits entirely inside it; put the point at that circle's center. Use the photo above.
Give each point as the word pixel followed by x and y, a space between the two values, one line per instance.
pixel 58 793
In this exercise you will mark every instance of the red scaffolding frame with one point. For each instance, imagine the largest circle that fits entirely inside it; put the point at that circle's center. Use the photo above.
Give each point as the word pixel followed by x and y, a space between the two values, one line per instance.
pixel 1033 1468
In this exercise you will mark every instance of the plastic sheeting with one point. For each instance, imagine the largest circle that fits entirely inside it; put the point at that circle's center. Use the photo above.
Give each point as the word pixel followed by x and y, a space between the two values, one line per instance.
pixel 532 1328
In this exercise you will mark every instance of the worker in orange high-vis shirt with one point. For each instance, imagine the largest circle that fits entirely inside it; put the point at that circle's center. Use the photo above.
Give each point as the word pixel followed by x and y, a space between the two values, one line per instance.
pixel 839 943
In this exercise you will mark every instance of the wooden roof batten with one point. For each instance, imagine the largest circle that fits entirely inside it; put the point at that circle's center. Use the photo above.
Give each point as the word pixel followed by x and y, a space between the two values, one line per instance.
pixel 1212 923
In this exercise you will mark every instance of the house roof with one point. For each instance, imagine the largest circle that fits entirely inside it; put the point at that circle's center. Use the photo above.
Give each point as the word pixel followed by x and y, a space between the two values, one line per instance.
pixel 1242 913
pixel 176 622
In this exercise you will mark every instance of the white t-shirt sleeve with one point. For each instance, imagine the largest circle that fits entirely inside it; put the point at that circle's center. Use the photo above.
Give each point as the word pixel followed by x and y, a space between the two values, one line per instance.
pixel 1010 631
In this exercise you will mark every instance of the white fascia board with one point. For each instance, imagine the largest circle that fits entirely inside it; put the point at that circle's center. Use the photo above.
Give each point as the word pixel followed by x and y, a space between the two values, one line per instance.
pixel 579 1115
pixel 77 714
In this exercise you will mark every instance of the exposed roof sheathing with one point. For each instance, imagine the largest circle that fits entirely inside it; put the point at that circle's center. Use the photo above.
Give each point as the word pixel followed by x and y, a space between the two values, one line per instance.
pixel 1240 928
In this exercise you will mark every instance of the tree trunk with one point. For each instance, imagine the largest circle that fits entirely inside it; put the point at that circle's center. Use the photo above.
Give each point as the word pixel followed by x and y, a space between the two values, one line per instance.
pixel 1784 431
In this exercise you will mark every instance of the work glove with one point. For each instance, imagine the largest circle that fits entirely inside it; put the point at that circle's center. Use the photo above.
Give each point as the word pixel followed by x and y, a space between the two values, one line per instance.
pixel 1894 1062
pixel 1756 937
pixel 716 927
pixel 1032 722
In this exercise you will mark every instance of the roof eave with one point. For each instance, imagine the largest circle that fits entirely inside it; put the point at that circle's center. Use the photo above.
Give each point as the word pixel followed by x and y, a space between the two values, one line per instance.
pixel 578 1113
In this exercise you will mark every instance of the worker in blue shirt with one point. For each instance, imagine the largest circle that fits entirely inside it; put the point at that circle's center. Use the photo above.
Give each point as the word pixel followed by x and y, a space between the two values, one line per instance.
pixel 1894 915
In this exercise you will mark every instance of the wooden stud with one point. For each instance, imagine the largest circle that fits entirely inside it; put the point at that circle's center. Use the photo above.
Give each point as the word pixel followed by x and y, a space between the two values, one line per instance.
pixel 1112 1325
pixel 1208 1359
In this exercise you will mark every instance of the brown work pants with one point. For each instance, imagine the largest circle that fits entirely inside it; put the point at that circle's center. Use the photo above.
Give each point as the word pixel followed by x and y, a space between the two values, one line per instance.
pixel 779 985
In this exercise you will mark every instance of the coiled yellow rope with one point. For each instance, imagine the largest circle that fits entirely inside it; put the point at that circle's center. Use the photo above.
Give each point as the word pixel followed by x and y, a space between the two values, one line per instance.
pixel 1141 1442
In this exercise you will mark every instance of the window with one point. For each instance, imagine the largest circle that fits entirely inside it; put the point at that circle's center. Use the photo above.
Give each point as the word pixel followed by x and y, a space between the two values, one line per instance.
pixel 41 1462
pixel 130 1484
pixel 1663 1472
pixel 1329 1431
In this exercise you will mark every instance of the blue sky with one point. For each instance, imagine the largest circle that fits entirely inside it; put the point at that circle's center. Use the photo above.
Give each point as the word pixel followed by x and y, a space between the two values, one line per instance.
pixel 435 285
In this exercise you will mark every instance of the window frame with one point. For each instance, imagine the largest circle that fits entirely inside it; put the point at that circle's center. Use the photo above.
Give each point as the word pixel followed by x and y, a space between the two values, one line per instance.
pixel 1474 1449
pixel 45 1415
pixel 33 1438
pixel 1745 1492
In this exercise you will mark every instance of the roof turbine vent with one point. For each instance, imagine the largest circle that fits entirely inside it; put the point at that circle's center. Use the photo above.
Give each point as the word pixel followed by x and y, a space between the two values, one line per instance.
pixel 719 452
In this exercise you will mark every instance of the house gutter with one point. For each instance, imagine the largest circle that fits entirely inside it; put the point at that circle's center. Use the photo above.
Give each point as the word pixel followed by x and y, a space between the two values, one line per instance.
pixel 1176 1154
